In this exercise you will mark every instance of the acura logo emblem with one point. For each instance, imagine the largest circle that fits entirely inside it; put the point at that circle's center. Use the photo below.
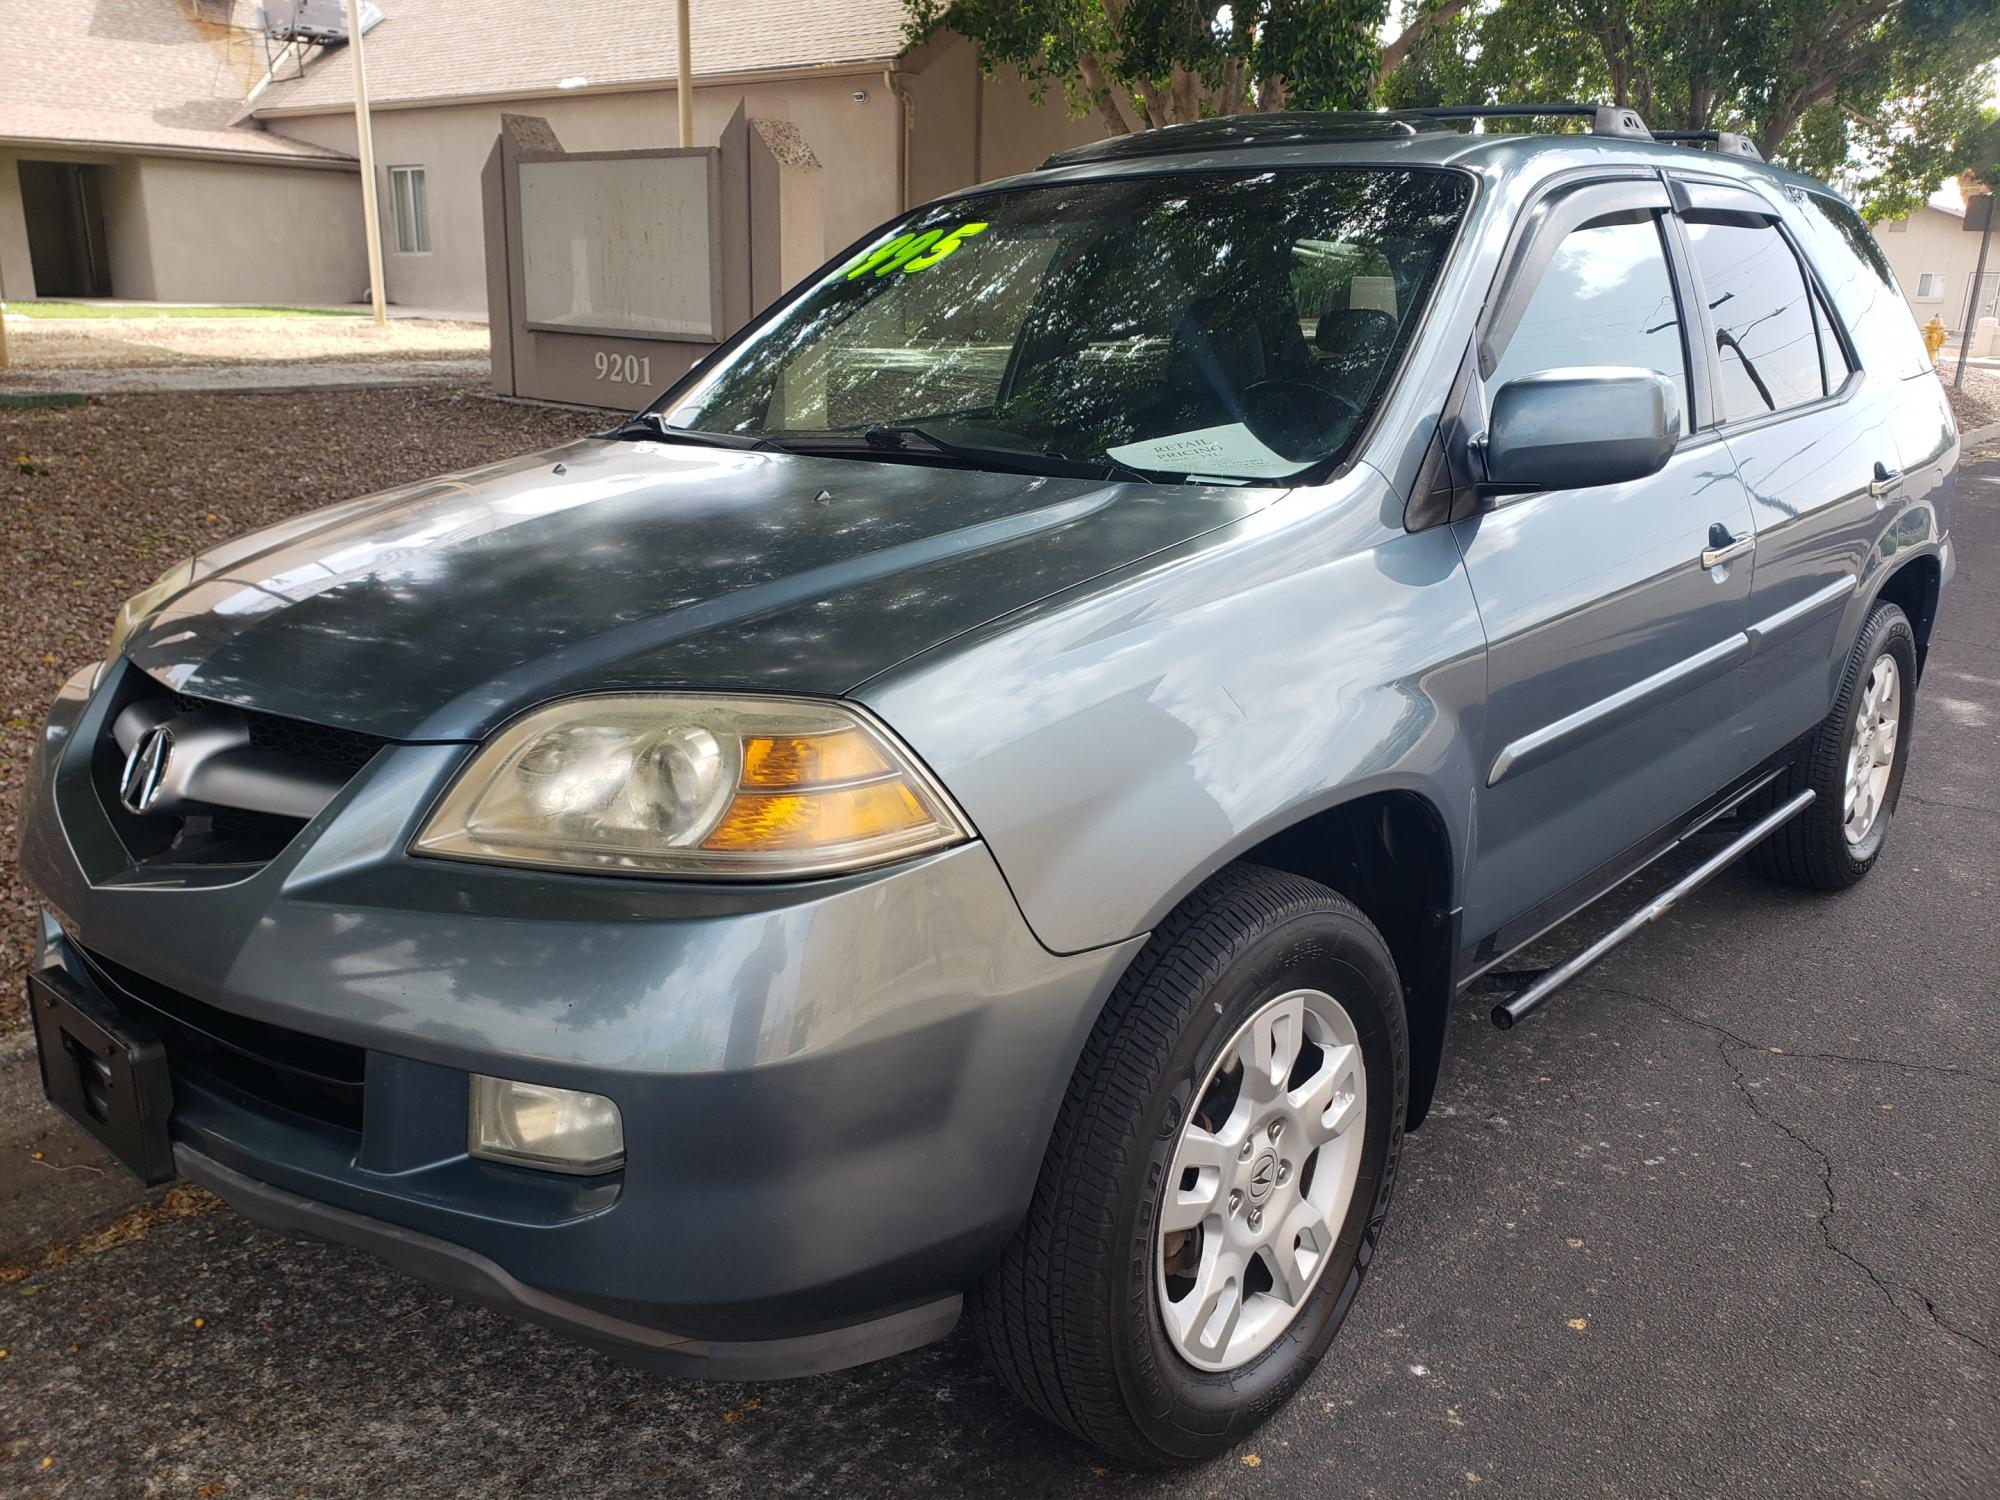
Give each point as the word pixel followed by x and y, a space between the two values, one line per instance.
pixel 139 783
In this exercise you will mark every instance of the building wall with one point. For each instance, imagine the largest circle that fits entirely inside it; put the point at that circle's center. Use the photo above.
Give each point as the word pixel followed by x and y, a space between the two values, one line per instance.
pixel 183 230
pixel 17 276
pixel 230 232
pixel 854 124
pixel 1931 241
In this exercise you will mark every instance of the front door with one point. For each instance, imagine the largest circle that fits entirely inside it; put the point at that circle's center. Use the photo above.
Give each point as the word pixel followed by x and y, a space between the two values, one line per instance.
pixel 1614 650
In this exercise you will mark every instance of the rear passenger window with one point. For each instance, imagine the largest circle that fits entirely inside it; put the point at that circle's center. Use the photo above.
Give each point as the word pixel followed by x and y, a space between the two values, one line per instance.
pixel 1763 317
pixel 1605 299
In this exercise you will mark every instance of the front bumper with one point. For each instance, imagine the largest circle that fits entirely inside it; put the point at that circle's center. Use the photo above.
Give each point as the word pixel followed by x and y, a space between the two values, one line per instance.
pixel 835 1094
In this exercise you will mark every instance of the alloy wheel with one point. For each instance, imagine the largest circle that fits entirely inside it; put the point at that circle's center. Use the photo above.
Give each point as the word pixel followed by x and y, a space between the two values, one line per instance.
pixel 1261 1179
pixel 1871 752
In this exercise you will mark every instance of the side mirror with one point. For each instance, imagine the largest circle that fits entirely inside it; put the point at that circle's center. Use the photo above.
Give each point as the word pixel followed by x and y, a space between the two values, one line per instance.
pixel 1565 429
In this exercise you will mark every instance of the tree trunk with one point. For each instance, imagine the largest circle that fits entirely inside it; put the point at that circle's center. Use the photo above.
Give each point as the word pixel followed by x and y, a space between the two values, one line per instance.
pixel 1393 54
pixel 1092 72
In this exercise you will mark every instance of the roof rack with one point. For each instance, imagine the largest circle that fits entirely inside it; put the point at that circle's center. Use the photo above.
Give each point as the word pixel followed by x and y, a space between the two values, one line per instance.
pixel 1605 119
pixel 1728 142
pixel 1282 128
pixel 1303 127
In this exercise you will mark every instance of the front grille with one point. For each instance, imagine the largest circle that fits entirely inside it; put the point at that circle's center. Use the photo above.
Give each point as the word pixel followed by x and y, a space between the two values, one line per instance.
pixel 270 1066
pixel 322 744
pixel 315 755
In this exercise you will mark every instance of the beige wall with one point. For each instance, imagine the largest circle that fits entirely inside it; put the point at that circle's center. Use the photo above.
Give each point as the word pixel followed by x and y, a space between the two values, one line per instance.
pixel 858 143
pixel 1934 242
pixel 229 232
pixel 17 277
pixel 183 230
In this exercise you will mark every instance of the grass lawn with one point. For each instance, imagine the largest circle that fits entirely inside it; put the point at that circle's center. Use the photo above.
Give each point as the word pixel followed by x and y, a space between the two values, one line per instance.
pixel 34 309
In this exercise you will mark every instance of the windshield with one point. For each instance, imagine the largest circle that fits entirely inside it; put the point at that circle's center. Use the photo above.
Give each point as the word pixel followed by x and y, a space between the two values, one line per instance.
pixel 1236 326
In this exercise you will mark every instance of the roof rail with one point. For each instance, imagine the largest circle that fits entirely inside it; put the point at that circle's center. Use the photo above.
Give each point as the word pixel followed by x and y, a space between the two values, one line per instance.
pixel 1605 119
pixel 1728 142
pixel 1281 128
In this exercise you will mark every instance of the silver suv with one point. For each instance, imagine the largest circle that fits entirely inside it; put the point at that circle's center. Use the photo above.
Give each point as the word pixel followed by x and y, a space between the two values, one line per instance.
pixel 984 795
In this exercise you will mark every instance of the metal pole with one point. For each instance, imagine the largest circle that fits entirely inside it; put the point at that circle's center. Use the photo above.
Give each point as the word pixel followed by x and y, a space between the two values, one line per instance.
pixel 1972 293
pixel 371 211
pixel 683 71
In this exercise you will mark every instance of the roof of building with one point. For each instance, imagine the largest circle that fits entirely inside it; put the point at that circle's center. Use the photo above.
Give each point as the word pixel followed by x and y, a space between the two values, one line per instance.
pixel 426 50
pixel 136 75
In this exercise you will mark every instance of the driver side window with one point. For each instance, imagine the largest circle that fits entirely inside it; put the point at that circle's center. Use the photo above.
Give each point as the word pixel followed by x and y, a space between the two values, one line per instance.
pixel 1607 298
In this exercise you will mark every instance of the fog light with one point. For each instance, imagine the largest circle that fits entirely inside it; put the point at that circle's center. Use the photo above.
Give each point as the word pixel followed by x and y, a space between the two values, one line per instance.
pixel 533 1125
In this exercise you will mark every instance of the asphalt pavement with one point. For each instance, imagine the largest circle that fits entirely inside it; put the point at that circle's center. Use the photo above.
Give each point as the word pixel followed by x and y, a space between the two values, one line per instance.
pixel 1722 1220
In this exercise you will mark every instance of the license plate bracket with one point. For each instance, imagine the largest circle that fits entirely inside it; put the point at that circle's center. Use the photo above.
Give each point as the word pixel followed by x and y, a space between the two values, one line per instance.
pixel 104 1072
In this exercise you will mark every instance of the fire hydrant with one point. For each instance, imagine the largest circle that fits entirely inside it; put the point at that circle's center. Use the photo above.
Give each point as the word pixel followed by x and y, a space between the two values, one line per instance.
pixel 1934 336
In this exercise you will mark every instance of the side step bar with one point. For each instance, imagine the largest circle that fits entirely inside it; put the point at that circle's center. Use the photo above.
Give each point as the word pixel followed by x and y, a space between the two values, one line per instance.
pixel 1526 999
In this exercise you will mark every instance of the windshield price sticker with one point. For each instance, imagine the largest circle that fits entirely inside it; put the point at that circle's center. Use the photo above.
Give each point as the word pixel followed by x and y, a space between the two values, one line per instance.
pixel 915 252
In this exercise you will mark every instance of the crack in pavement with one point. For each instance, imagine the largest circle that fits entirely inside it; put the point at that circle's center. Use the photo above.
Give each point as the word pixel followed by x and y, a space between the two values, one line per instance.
pixel 1946 1069
pixel 1724 1040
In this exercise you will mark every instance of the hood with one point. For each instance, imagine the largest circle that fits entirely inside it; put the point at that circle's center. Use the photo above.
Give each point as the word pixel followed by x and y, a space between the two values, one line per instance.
pixel 437 611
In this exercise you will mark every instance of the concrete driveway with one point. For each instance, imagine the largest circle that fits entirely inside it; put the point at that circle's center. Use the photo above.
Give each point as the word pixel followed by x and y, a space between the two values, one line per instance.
pixel 1723 1221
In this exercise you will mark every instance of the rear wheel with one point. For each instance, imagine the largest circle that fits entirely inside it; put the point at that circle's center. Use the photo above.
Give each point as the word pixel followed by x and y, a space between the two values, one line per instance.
pixel 1217 1178
pixel 1854 763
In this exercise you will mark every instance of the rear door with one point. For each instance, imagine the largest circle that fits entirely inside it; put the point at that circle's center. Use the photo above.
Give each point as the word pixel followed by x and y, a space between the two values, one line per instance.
pixel 1813 430
pixel 1613 649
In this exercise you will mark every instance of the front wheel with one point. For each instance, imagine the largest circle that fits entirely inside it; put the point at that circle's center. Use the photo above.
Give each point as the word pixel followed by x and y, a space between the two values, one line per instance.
pixel 1854 763
pixel 1217 1178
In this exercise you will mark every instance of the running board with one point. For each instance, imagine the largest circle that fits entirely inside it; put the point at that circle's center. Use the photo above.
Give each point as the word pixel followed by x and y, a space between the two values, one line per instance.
pixel 1530 996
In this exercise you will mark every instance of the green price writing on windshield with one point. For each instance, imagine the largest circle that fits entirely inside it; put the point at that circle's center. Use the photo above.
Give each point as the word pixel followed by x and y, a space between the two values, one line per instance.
pixel 915 252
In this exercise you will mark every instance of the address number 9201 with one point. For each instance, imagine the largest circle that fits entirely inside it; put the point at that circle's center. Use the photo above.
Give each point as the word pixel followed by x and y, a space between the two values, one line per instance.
pixel 629 369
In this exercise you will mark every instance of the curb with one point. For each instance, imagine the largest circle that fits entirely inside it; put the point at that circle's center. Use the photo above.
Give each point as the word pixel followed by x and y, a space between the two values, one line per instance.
pixel 1980 435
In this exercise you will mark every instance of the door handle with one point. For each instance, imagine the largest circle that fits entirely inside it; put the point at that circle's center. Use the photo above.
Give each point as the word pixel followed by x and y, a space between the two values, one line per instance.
pixel 1885 480
pixel 1723 547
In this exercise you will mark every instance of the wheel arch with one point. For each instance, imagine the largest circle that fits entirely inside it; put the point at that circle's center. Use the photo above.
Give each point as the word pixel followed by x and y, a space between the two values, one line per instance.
pixel 1391 853
pixel 1914 586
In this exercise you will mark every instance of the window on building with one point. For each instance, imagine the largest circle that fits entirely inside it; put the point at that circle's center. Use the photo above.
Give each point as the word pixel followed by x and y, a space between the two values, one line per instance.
pixel 1605 299
pixel 1930 286
pixel 411 209
pixel 1762 312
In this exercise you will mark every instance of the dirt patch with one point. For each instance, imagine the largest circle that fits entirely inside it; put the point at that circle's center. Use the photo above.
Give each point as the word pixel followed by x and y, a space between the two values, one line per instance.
pixel 41 344
pixel 98 500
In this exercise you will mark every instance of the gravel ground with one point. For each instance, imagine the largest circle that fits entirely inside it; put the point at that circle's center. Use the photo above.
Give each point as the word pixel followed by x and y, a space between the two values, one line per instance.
pixel 1978 403
pixel 41 344
pixel 102 498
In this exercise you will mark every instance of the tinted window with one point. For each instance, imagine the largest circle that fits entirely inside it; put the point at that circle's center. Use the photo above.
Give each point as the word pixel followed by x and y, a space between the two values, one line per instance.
pixel 1228 324
pixel 1605 299
pixel 1857 276
pixel 1761 309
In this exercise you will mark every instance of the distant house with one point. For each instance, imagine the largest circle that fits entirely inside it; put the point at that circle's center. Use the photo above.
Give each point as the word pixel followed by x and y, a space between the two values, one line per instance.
pixel 153 81
pixel 122 174
pixel 1934 253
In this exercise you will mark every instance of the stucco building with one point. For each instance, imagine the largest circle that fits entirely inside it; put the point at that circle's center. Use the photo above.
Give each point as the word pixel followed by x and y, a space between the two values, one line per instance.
pixel 121 172
pixel 262 199
pixel 1934 253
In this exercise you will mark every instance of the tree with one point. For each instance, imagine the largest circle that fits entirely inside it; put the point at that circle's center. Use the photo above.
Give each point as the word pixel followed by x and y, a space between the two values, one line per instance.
pixel 1882 94
pixel 1145 63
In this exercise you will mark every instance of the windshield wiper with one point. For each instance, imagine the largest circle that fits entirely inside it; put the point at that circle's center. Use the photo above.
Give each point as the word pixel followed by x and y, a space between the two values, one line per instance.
pixel 896 437
pixel 650 427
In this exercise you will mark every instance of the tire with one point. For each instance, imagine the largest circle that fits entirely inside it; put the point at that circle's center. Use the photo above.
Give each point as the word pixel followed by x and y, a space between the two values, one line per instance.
pixel 1817 849
pixel 1075 1315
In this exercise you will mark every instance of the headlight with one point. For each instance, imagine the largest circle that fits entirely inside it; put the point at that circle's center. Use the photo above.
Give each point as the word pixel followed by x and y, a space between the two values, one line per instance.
pixel 140 608
pixel 664 784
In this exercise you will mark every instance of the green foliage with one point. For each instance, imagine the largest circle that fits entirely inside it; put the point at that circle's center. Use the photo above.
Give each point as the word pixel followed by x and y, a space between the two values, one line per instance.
pixel 1882 96
pixel 1161 62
